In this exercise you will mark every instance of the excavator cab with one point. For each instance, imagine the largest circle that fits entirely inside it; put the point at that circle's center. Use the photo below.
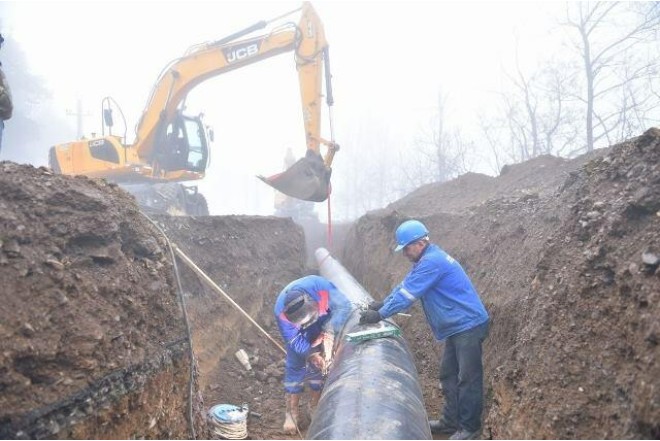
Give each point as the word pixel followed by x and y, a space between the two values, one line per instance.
pixel 185 145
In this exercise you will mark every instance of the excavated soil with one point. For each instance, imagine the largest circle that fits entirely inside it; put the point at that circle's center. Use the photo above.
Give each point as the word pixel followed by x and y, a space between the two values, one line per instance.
pixel 564 253
pixel 92 337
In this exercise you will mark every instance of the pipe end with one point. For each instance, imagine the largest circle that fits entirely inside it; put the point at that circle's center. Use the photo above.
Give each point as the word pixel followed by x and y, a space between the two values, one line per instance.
pixel 321 254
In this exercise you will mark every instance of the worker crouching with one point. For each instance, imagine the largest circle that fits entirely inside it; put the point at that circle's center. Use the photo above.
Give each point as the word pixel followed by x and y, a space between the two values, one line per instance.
pixel 309 311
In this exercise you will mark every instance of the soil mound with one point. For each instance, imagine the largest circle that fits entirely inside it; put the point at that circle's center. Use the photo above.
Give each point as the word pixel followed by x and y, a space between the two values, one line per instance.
pixel 539 175
pixel 564 253
pixel 94 340
pixel 89 316
pixel 565 256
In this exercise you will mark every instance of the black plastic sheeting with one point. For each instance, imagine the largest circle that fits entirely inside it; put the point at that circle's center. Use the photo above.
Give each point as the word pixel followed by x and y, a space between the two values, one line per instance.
pixel 372 390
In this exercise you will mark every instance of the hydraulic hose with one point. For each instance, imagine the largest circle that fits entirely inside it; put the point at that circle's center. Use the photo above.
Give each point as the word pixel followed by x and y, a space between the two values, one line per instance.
pixel 372 390
pixel 186 322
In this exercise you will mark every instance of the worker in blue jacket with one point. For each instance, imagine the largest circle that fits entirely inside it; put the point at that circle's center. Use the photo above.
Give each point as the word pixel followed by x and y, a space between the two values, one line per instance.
pixel 309 312
pixel 455 313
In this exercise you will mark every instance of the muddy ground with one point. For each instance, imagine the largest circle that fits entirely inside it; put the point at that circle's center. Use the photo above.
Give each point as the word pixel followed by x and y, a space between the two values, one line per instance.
pixel 564 253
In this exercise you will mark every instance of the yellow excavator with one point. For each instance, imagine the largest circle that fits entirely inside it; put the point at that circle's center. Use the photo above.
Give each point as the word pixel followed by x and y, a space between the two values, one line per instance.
pixel 171 148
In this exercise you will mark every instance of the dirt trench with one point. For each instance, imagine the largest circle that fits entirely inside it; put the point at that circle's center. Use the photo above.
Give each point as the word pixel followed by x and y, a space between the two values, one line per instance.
pixel 564 253
pixel 565 256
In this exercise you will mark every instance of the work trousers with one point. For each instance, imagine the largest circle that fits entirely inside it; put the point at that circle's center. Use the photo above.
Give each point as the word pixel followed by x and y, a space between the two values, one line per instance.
pixel 461 376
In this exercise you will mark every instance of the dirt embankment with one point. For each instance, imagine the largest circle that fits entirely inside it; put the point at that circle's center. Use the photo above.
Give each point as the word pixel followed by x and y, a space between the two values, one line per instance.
pixel 251 259
pixel 94 341
pixel 564 254
pixel 93 344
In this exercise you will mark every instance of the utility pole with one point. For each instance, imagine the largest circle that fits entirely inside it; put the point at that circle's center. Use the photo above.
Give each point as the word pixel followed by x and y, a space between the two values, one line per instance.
pixel 79 117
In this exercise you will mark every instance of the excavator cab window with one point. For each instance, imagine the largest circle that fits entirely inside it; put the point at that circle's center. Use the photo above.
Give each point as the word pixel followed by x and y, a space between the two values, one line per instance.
pixel 104 150
pixel 186 147
pixel 197 144
pixel 175 151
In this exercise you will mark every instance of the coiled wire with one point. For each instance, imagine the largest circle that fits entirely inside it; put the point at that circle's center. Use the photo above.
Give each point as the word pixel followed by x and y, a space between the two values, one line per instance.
pixel 228 421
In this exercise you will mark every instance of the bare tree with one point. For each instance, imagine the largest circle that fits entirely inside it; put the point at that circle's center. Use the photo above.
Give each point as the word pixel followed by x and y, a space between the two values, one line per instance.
pixel 613 74
pixel 440 151
pixel 536 110
pixel 535 115
pixel 491 137
pixel 524 123
pixel 370 177
pixel 540 112
pixel 26 138
pixel 558 128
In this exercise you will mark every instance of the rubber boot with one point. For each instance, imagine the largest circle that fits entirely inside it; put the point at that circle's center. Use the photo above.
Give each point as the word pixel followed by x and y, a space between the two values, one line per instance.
pixel 290 426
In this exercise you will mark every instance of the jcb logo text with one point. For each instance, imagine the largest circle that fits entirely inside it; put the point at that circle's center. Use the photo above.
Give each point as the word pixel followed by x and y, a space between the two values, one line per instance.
pixel 238 53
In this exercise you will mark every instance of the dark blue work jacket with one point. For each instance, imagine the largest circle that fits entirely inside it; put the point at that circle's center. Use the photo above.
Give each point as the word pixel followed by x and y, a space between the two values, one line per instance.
pixel 334 309
pixel 450 302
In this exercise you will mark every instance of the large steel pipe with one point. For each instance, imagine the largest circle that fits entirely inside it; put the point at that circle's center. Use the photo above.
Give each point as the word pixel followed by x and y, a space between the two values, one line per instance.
pixel 372 390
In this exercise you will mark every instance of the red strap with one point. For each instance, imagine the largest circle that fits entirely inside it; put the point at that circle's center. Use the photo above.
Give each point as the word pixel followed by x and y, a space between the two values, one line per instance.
pixel 324 302
pixel 329 221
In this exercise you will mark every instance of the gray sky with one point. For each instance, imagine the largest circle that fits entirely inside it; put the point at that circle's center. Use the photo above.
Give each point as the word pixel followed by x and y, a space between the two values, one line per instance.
pixel 389 61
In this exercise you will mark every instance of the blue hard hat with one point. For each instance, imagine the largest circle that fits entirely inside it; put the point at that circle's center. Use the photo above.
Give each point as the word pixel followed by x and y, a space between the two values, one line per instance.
pixel 408 232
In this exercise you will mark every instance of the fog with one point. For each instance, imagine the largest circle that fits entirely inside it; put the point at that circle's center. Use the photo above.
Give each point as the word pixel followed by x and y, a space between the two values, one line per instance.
pixel 390 62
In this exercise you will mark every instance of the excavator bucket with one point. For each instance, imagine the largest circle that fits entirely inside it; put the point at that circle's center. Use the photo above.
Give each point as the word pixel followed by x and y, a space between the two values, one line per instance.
pixel 307 179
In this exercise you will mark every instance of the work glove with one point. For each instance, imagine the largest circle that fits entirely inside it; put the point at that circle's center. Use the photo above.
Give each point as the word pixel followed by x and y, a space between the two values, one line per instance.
pixel 370 316
pixel 328 346
pixel 375 306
